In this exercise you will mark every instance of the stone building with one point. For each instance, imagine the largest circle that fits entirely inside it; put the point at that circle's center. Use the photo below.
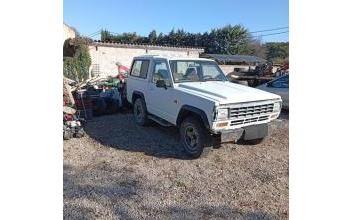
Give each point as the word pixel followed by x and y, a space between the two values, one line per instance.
pixel 106 56
pixel 68 32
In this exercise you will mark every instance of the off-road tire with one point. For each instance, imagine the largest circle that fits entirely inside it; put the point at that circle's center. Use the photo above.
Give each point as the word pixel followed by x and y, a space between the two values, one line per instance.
pixel 140 112
pixel 193 124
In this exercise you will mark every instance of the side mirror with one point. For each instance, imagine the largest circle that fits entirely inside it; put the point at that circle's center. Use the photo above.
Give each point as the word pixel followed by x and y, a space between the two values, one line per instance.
pixel 269 84
pixel 161 84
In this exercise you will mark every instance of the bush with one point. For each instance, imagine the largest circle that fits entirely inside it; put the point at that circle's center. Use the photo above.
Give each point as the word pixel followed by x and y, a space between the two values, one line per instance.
pixel 76 67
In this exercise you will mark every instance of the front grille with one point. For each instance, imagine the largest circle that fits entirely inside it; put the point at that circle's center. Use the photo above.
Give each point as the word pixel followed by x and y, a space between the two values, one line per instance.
pixel 245 112
pixel 249 120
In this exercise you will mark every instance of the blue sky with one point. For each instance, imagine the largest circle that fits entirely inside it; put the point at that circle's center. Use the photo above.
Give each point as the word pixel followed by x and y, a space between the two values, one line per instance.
pixel 141 17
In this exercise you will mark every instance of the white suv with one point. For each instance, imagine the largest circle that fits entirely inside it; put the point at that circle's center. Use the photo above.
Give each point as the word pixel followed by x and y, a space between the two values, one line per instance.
pixel 195 95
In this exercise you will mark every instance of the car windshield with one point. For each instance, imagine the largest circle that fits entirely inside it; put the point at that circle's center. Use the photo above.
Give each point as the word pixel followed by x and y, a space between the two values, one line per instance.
pixel 196 71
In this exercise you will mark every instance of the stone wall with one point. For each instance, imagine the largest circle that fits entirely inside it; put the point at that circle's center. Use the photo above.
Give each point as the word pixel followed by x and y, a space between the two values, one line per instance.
pixel 105 55
pixel 68 32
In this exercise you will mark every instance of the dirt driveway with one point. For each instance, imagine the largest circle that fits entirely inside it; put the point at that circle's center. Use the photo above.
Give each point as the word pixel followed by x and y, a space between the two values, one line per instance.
pixel 122 171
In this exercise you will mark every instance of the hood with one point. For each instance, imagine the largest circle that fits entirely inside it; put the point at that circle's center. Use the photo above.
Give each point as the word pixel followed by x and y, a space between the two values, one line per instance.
pixel 225 92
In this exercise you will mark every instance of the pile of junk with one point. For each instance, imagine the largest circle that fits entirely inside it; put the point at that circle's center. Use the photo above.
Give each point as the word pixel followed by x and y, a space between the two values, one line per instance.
pixel 72 123
pixel 93 97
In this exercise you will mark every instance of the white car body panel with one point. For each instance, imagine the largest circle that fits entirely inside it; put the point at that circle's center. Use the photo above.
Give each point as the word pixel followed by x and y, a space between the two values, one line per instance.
pixel 225 92
pixel 206 96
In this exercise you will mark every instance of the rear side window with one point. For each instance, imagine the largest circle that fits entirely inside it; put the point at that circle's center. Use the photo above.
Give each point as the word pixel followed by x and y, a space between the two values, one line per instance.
pixel 140 68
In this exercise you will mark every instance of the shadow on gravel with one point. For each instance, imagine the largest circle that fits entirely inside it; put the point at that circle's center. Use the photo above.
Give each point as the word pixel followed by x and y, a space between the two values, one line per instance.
pixel 120 132
pixel 284 114
pixel 91 194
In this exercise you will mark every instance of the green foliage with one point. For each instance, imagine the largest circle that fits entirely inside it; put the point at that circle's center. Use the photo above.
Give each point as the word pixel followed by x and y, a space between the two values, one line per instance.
pixel 277 51
pixel 152 38
pixel 76 67
pixel 257 48
pixel 228 40
pixel 280 61
pixel 124 38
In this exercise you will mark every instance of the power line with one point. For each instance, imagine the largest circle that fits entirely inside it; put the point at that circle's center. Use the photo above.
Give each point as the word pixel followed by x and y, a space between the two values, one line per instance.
pixel 274 29
pixel 93 34
pixel 262 35
pixel 271 34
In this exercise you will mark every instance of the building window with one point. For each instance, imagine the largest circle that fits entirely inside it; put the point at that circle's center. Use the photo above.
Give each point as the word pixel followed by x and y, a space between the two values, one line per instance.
pixel 95 70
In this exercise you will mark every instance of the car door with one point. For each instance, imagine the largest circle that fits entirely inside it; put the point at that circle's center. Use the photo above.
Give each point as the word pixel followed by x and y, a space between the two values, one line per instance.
pixel 137 80
pixel 161 98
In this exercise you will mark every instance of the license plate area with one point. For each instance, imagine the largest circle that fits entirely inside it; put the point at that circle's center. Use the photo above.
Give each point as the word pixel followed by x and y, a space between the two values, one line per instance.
pixel 255 131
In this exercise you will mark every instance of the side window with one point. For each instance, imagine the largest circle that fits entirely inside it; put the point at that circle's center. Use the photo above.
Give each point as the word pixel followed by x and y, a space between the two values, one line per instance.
pixel 211 71
pixel 140 68
pixel 161 72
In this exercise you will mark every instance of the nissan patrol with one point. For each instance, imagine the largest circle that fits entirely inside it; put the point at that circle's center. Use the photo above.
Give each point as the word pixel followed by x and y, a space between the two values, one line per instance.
pixel 195 95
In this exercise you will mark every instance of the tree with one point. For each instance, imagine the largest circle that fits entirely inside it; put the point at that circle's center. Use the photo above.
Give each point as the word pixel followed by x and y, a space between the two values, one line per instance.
pixel 258 49
pixel 277 51
pixel 152 38
pixel 105 35
pixel 76 67
pixel 227 40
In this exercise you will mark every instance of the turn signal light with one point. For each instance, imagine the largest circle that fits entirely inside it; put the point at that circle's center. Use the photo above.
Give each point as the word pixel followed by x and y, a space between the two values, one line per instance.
pixel 274 115
pixel 222 124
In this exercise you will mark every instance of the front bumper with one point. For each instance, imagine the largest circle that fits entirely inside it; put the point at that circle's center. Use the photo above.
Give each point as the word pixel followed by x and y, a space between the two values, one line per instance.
pixel 230 135
pixel 245 133
pixel 250 132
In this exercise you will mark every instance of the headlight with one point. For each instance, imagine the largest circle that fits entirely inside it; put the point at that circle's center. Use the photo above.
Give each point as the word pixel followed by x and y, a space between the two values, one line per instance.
pixel 277 107
pixel 223 113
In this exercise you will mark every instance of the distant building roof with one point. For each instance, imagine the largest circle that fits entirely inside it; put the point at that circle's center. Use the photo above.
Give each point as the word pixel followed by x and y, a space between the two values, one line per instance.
pixel 223 58
pixel 144 46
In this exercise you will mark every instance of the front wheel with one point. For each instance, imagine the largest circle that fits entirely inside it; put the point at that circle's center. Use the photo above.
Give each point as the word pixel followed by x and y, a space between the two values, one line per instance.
pixel 140 112
pixel 193 136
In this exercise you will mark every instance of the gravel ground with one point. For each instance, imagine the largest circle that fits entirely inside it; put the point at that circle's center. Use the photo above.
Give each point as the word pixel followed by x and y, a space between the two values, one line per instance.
pixel 122 171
